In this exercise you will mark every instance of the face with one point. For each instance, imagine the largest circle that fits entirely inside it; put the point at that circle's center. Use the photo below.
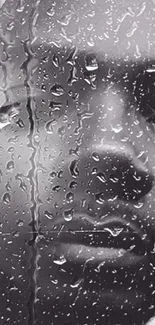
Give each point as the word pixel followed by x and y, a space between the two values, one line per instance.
pixel 77 162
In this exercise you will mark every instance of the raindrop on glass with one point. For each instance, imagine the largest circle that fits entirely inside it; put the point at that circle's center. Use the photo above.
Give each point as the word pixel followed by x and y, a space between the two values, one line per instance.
pixel 10 165
pixel 101 177
pixel 6 198
pixel 115 231
pixel 73 185
pixel 48 215
pixel 74 168
pixel 95 156
pixel 118 128
pixel 49 127
pixel 56 60
pixel 60 261
pixel 68 214
pixel 20 223
pixel 51 12
pixel 91 63
pixel 69 197
pixel 57 90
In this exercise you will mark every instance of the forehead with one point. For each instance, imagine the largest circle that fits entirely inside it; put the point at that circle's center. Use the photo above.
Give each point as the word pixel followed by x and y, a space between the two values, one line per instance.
pixel 116 28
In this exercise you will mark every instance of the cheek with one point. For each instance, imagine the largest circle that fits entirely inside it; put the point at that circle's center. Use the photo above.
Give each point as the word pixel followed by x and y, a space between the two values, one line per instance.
pixel 16 201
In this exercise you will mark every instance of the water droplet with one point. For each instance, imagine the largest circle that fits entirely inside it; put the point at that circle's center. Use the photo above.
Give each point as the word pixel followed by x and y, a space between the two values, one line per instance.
pixel 91 63
pixel 113 179
pixel 139 205
pixel 121 252
pixel 11 149
pixel 23 186
pixel 10 25
pixel 99 266
pixel 15 234
pixel 115 231
pixel 55 106
pixel 62 130
pixel 6 198
pixel 134 217
pixel 73 77
pixel 8 186
pixel 90 41
pixel 137 178
pixel 55 60
pixel 60 174
pixel 101 177
pixel 20 223
pixel 69 197
pixel 73 185
pixel 132 29
pixel 118 128
pixel 20 123
pixel 48 215
pixel 77 283
pixel 60 261
pixel 100 198
pixel 57 90
pixel 51 12
pixel 90 79
pixel 10 165
pixel 68 214
pixel 55 281
pixel 53 174
pixel 23 20
pixel 95 156
pixel 139 134
pixel 49 127
pixel 56 188
pixel 65 19
pixel 74 168
pixel 20 9
pixel 71 58
pixel 43 88
pixel 94 171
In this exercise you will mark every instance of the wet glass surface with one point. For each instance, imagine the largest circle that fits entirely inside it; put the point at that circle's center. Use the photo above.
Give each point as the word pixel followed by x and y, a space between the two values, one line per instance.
pixel 77 140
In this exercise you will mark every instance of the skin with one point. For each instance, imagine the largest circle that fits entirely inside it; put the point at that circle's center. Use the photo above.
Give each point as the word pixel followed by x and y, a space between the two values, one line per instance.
pixel 107 117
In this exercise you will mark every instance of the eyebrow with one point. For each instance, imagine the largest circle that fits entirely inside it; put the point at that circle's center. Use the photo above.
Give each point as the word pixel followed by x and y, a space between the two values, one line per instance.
pixel 143 64
pixel 72 53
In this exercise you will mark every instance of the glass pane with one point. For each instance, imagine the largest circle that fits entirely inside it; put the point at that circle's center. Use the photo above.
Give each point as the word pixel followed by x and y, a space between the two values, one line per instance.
pixel 77 165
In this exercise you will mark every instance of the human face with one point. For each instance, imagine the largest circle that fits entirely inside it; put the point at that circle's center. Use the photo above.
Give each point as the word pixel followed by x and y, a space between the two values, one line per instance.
pixel 77 175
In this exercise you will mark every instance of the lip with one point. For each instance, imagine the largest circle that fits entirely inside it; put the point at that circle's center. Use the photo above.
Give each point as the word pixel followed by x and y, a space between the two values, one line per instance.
pixel 113 240
pixel 100 256
pixel 111 234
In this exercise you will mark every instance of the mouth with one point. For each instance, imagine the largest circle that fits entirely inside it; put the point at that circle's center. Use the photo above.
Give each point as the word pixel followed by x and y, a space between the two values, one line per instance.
pixel 103 258
pixel 114 241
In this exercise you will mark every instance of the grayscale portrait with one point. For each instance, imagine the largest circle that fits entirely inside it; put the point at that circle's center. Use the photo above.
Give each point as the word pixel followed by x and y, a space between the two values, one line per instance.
pixel 77 162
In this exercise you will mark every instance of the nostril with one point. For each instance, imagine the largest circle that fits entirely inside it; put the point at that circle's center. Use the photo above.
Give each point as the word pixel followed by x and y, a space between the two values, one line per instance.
pixel 138 187
pixel 124 177
pixel 114 174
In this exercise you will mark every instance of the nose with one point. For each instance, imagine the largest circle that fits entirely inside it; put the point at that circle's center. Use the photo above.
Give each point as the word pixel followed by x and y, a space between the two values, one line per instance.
pixel 111 173
pixel 112 169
